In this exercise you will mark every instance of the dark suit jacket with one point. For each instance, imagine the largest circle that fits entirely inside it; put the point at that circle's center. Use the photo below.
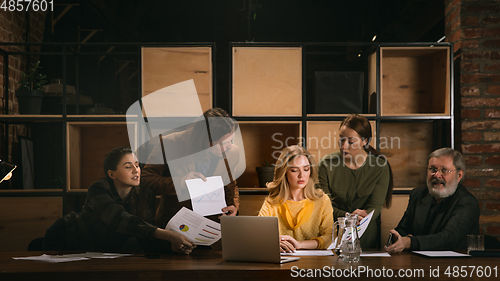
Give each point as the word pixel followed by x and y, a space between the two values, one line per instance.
pixel 457 216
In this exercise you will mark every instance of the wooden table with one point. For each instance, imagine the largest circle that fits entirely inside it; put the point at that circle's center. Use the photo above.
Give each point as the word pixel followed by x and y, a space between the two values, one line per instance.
pixel 206 264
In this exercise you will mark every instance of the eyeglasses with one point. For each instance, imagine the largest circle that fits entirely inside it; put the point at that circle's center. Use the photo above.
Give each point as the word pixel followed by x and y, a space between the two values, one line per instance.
pixel 443 170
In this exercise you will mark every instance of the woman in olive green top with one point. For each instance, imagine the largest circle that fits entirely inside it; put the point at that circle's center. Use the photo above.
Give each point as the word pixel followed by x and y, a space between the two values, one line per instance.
pixel 356 178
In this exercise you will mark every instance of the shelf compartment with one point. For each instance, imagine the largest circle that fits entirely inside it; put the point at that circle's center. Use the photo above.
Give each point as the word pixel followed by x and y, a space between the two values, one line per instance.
pixel 267 81
pixel 407 147
pixel 323 137
pixel 265 141
pixel 37 154
pixel 166 66
pixel 23 219
pixel 88 143
pixel 414 80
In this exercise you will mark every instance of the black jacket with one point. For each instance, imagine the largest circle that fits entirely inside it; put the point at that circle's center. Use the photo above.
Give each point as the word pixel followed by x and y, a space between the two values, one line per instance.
pixel 447 228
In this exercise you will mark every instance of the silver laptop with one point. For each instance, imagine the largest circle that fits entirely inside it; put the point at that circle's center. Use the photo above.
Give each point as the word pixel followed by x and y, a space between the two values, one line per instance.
pixel 252 239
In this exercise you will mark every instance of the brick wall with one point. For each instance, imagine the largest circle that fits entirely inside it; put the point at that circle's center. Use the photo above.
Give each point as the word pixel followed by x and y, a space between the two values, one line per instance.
pixel 13 27
pixel 474 28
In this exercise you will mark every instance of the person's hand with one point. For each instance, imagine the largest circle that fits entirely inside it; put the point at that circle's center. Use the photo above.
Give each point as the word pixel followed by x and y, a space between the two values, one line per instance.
pixel 230 210
pixel 194 175
pixel 361 214
pixel 401 244
pixel 190 176
pixel 180 244
pixel 288 244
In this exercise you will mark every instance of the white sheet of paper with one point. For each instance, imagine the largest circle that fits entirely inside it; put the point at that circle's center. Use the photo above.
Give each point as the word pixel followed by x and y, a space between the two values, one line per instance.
pixel 363 224
pixel 95 255
pixel 50 258
pixel 440 254
pixel 72 257
pixel 309 253
pixel 195 227
pixel 208 197
pixel 371 254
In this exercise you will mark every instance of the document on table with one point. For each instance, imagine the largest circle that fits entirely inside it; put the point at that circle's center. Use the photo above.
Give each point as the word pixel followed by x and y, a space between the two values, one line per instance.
pixel 72 257
pixel 208 197
pixel 441 254
pixel 372 254
pixel 309 253
pixel 195 227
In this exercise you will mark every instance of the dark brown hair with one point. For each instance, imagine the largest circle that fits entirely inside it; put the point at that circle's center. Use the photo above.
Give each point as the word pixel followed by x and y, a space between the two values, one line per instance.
pixel 138 199
pixel 361 125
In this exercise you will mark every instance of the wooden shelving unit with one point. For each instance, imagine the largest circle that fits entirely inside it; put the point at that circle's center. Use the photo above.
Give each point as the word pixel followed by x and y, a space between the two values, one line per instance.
pixel 407 93
pixel 70 143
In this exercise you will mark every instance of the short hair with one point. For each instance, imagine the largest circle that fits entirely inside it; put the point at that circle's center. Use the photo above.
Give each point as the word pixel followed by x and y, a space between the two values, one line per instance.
pixel 458 159
pixel 279 189
pixel 221 126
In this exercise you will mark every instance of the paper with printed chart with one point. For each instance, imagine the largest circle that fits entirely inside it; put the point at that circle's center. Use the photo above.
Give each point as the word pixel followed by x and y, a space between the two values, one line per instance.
pixel 363 224
pixel 196 228
pixel 208 197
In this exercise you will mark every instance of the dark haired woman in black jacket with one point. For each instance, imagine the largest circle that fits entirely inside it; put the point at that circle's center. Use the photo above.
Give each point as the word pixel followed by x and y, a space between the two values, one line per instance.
pixel 118 215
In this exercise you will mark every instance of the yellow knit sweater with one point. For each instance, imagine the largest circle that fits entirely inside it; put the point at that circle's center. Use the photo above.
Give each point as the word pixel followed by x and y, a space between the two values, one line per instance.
pixel 303 220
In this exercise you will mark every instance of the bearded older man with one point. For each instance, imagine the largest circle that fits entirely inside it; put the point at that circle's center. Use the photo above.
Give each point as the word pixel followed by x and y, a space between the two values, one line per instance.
pixel 439 216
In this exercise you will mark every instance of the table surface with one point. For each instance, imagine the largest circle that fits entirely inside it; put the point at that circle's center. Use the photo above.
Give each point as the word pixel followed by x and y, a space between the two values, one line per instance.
pixel 207 264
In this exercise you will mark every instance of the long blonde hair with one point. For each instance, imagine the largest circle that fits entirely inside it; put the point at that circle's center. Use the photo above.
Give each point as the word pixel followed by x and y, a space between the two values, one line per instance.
pixel 279 189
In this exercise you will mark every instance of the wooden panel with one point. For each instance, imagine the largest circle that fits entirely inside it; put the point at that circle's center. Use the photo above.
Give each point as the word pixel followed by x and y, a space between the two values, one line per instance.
pixel 323 137
pixel 391 217
pixel 23 219
pixel 162 67
pixel 267 81
pixel 372 83
pixel 265 141
pixel 415 81
pixel 250 204
pixel 440 77
pixel 88 144
pixel 407 146
pixel 73 139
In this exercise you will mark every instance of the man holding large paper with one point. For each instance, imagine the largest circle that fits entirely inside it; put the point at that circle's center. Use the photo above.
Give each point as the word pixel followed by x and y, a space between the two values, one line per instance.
pixel 439 216
pixel 199 150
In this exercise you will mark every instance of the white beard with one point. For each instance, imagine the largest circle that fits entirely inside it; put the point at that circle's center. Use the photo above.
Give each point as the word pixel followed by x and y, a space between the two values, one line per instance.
pixel 446 190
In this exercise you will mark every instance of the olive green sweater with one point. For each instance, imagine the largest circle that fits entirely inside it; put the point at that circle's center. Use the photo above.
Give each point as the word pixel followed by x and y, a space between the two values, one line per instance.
pixel 363 188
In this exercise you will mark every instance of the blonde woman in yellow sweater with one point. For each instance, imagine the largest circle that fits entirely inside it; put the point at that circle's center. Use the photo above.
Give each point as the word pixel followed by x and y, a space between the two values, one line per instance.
pixel 304 213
